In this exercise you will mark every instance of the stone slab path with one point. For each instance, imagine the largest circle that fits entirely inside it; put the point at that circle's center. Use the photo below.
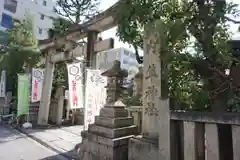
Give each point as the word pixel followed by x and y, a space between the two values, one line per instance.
pixel 17 146
pixel 62 140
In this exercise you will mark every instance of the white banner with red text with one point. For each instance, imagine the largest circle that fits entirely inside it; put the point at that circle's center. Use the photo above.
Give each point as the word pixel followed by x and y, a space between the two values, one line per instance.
pixel 95 95
pixel 75 84
pixel 37 84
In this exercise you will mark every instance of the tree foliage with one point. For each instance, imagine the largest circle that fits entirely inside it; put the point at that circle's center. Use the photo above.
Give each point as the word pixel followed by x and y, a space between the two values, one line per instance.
pixel 77 11
pixel 194 37
pixel 20 53
pixel 71 12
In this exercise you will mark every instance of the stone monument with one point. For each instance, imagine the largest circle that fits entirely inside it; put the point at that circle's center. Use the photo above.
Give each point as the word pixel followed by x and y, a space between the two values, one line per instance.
pixel 107 138
pixel 146 146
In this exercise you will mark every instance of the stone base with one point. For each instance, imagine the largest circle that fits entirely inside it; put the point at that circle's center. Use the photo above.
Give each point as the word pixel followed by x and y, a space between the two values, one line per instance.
pixel 108 137
pixel 101 148
pixel 142 149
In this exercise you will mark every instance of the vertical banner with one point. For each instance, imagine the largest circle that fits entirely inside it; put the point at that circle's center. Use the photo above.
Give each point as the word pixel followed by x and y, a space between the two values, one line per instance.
pixel 37 84
pixel 23 94
pixel 3 84
pixel 95 97
pixel 75 79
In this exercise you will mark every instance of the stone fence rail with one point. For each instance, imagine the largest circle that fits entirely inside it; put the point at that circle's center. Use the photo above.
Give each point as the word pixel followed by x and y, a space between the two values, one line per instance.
pixel 200 135
pixel 204 135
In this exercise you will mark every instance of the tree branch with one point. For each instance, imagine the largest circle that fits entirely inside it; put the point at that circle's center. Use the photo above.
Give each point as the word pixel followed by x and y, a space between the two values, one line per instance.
pixel 232 20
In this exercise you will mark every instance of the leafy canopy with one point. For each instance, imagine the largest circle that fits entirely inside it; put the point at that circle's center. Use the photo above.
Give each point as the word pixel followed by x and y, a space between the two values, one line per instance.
pixel 194 37
pixel 21 52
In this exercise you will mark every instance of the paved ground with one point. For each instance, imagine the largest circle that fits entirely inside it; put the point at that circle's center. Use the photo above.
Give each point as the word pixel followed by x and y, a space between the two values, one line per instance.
pixel 62 140
pixel 17 146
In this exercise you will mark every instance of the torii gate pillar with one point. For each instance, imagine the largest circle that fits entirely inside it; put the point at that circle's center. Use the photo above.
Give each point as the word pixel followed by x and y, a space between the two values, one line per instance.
pixel 47 89
pixel 91 40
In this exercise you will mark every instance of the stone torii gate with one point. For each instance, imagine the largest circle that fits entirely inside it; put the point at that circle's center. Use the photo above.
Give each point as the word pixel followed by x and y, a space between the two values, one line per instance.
pixel 69 52
pixel 89 29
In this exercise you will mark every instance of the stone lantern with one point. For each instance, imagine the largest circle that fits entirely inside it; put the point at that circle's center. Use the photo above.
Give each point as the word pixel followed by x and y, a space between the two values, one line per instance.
pixel 107 138
pixel 115 77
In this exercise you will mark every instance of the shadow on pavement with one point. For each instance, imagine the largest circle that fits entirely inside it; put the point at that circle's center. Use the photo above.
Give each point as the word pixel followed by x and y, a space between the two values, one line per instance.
pixel 7 134
pixel 15 132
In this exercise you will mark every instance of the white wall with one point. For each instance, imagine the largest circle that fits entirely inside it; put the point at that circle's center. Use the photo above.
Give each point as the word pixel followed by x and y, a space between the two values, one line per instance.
pixel 35 9
pixel 127 58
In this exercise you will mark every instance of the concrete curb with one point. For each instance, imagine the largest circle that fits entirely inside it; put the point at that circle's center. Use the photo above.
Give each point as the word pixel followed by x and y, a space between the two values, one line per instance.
pixel 66 155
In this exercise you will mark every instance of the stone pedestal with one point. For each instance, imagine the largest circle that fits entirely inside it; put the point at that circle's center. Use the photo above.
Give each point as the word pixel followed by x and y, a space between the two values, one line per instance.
pixel 108 137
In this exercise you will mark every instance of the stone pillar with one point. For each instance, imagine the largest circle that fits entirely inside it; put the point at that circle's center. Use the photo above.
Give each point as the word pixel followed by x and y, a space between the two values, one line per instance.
pixel 155 102
pixel 107 138
pixel 151 83
pixel 46 91
pixel 91 57
pixel 60 96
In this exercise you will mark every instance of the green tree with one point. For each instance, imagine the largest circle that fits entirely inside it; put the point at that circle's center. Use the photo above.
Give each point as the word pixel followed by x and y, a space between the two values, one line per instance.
pixel 72 13
pixel 77 11
pixel 194 37
pixel 20 53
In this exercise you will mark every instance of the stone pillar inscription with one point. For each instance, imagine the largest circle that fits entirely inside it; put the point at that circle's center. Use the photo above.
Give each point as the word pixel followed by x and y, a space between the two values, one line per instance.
pixel 151 82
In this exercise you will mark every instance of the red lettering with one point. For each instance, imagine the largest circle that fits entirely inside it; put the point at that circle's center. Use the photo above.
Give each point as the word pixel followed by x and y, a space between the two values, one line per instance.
pixel 35 90
pixel 74 96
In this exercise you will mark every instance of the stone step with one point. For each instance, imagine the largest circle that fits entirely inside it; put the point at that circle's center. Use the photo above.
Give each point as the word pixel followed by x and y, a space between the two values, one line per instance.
pixel 107 141
pixel 113 112
pixel 113 122
pixel 112 133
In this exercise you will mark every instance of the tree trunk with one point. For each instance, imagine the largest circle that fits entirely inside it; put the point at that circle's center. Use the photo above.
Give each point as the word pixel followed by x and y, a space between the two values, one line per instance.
pixel 219 103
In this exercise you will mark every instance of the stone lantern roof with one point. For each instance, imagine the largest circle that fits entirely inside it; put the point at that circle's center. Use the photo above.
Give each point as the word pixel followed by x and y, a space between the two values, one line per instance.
pixel 115 71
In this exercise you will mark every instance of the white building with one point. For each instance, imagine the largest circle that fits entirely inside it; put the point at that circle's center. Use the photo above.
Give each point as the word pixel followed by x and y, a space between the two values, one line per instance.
pixel 127 58
pixel 41 11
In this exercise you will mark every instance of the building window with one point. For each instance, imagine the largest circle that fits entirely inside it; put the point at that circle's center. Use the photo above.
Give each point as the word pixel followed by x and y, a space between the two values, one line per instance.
pixel 7 21
pixel 40 31
pixel 42 17
pixel 10 5
pixel 45 3
pixel 126 53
